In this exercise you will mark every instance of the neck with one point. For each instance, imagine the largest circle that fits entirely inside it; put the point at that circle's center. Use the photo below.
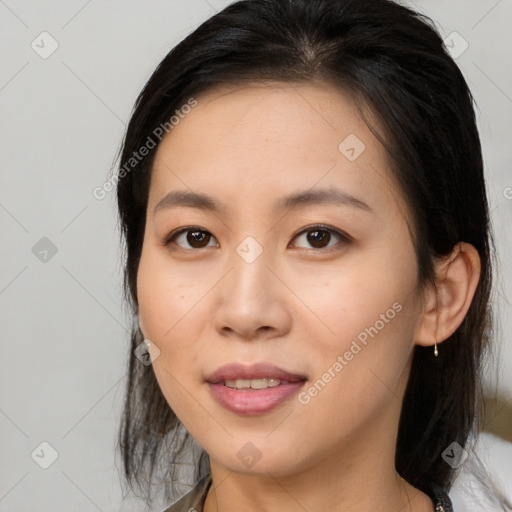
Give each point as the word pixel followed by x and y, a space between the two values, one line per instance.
pixel 361 479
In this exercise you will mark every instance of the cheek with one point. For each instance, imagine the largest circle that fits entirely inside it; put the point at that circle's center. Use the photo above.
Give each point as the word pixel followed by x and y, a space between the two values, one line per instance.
pixel 169 296
pixel 170 310
pixel 363 293
pixel 363 330
pixel 360 372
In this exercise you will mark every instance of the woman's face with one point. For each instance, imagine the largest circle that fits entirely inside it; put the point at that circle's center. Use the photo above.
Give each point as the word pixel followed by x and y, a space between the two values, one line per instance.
pixel 297 271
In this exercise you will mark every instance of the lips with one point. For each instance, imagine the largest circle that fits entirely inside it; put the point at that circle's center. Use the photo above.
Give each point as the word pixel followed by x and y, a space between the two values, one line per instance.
pixel 236 371
pixel 253 390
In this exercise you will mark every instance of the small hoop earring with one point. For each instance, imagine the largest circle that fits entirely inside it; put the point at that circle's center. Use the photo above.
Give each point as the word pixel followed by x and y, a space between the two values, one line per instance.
pixel 435 348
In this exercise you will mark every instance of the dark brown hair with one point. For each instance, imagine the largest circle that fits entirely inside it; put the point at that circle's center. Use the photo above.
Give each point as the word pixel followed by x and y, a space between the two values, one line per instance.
pixel 393 63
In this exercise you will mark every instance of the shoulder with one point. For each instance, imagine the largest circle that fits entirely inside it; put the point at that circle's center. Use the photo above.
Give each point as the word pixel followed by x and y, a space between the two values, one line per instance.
pixel 469 492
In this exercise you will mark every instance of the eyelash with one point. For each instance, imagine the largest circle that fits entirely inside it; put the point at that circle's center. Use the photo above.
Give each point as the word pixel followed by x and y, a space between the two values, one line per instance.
pixel 317 227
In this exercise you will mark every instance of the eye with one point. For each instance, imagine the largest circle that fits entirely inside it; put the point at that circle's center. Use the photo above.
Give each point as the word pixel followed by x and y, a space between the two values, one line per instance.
pixel 319 237
pixel 195 237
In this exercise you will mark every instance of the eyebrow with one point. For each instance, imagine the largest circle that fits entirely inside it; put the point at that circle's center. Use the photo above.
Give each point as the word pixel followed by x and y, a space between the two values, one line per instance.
pixel 184 198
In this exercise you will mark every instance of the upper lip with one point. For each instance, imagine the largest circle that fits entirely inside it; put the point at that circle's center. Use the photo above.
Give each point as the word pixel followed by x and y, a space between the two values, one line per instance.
pixel 235 371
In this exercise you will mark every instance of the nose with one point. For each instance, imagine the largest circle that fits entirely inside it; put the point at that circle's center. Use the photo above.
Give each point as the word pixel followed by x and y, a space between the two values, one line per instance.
pixel 252 303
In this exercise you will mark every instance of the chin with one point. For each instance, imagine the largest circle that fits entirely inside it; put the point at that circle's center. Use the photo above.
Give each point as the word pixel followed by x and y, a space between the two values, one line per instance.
pixel 259 458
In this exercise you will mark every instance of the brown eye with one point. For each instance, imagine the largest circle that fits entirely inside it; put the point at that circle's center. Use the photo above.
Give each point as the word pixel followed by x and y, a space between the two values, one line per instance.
pixel 194 237
pixel 198 239
pixel 319 237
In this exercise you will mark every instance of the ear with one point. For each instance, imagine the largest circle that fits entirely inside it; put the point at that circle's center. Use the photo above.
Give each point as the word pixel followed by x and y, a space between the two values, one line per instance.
pixel 141 326
pixel 457 276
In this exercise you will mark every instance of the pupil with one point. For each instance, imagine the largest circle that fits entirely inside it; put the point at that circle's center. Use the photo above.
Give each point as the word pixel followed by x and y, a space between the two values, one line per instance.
pixel 196 238
pixel 317 238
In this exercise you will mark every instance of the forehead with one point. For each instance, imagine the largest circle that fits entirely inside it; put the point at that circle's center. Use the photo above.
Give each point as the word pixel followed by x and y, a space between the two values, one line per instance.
pixel 264 139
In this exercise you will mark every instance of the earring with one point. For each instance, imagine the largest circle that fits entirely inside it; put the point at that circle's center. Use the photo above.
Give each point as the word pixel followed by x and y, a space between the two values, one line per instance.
pixel 435 348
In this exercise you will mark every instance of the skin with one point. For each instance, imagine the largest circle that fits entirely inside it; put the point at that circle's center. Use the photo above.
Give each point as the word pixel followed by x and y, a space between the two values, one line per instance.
pixel 297 305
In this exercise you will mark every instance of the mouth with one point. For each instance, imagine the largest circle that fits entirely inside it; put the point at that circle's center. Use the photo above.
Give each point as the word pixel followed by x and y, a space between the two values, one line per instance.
pixel 255 389
pixel 253 383
pixel 259 374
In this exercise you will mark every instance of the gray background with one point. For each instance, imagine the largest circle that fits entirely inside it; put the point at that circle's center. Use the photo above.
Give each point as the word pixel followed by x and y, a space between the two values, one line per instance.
pixel 63 326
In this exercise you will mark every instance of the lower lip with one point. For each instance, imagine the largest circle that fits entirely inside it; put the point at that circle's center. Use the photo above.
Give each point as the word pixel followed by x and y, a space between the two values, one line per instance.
pixel 254 401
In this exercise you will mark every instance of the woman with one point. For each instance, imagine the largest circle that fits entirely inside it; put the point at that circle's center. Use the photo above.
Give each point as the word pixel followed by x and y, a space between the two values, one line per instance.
pixel 302 198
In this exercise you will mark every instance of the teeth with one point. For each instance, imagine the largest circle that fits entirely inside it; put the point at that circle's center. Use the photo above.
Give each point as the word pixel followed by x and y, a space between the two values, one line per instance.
pixel 253 384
